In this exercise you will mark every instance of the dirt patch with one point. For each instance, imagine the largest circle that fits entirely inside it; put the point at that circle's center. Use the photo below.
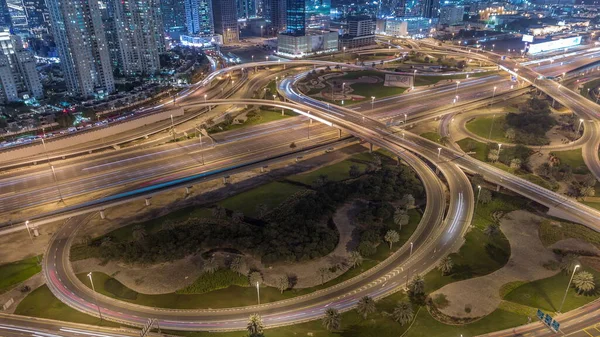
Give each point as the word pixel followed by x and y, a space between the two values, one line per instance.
pixel 481 294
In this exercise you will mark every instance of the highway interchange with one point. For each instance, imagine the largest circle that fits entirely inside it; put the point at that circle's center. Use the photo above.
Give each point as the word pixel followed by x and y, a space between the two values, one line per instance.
pixel 437 235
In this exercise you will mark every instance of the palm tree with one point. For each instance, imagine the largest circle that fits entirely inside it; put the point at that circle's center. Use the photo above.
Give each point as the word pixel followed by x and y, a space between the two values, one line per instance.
pixel 323 273
pixel 403 313
pixel 491 230
pixel 584 282
pixel 237 264
pixel 255 326
pixel 321 180
pixel 355 259
pixel 568 263
pixel 211 265
pixel 237 217
pixel 365 306
pixel 254 278
pixel 332 320
pixel 400 217
pixel 282 282
pixel 391 237
pixel 446 265
pixel 417 285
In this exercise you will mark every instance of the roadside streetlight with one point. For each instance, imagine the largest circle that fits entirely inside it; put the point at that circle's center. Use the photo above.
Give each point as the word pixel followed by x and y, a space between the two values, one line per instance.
pixel 172 127
pixel 568 286
pixel 258 292
pixel 31 237
pixel 499 148
pixel 252 58
pixel 478 194
pixel 493 94
pixel 439 152
pixel 408 271
pixel 274 96
pixel 205 98
pixel 404 119
pixel 456 89
pixel 372 102
pixel 94 291
pixel 492 126
pixel 579 127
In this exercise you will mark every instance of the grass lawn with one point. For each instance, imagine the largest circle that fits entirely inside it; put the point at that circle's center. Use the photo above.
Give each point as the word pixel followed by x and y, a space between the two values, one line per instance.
pixel 262 116
pixel 574 159
pixel 595 205
pixel 432 136
pixel 546 294
pixel 471 145
pixel 550 234
pixel 14 273
pixel 336 172
pixel 271 194
pixel 481 127
pixel 42 303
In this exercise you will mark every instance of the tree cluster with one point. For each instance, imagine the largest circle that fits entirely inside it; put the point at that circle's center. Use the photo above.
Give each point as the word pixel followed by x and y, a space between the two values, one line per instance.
pixel 532 122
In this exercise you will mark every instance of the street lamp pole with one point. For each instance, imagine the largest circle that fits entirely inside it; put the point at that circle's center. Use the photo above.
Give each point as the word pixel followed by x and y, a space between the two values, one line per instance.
pixel 172 127
pixel 499 148
pixel 491 126
pixel 478 194
pixel 258 292
pixel 31 237
pixel 94 291
pixel 408 271
pixel 372 102
pixel 456 90
pixel 404 119
pixel 493 94
pixel 568 286
pixel 579 127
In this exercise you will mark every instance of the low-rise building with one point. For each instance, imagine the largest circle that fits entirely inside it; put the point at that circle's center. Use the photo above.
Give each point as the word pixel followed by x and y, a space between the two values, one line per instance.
pixel 360 33
pixel 317 42
pixel 451 15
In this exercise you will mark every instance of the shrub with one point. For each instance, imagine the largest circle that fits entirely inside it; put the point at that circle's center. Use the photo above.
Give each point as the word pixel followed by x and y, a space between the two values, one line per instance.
pixel 220 279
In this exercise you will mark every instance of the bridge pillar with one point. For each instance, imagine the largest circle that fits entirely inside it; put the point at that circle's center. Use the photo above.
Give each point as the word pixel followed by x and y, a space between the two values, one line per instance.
pixel 497 188
pixel 147 202
pixel 102 215
pixel 90 152
pixel 187 190
pixel 370 147
pixel 225 179
pixel 35 163
pixel 282 112
pixel 339 133
pixel 263 168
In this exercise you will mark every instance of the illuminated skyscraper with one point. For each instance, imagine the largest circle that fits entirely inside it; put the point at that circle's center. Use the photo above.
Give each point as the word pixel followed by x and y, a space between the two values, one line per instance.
pixel 140 34
pixel 82 48
pixel 225 19
pixel 173 15
pixel 18 75
pixel 295 17
pixel 5 19
pixel 199 17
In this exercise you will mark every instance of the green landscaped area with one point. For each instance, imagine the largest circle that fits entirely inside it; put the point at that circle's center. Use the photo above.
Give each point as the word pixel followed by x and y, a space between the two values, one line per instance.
pixel 547 294
pixel 574 159
pixel 270 194
pixel 554 231
pixel 480 149
pixel 481 127
pixel 239 293
pixel 14 273
pixel 336 172
pixel 432 136
pixel 260 116
pixel 480 254
pixel 42 303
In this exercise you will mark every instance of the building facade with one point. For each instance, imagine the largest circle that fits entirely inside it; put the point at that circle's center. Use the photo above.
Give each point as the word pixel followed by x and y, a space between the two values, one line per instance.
pixel 140 33
pixel 173 16
pixel 430 9
pixel 199 17
pixel 81 42
pixel 19 77
pixel 360 33
pixel 451 15
pixel 308 44
pixel 276 14
pixel 295 17
pixel 5 19
pixel 225 19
